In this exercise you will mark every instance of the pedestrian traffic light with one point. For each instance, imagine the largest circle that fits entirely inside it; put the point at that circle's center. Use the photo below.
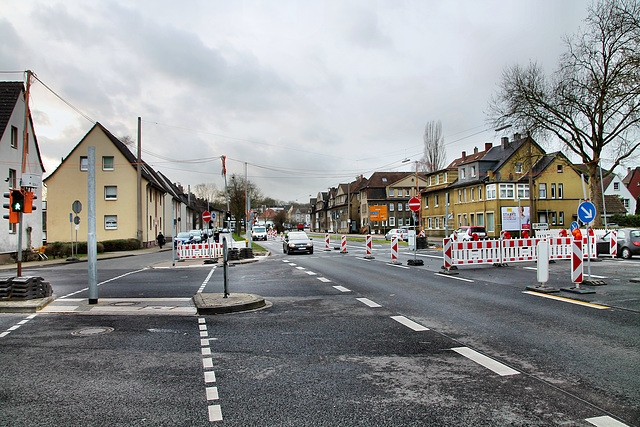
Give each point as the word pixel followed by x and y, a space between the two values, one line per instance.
pixel 227 216
pixel 29 197
pixel 17 201
pixel 12 216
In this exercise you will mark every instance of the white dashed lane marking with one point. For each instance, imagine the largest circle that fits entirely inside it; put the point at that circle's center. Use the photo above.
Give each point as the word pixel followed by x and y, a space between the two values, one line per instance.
pixel 409 323
pixel 487 362
pixel 213 411
pixel 368 302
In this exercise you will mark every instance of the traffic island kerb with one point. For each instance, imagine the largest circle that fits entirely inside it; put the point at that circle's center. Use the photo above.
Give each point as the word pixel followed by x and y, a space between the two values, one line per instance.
pixel 208 303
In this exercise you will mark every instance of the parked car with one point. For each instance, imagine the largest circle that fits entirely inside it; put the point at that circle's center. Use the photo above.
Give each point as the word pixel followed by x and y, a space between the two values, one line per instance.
pixel 467 232
pixel 400 233
pixel 197 235
pixel 259 232
pixel 297 241
pixel 628 243
pixel 183 237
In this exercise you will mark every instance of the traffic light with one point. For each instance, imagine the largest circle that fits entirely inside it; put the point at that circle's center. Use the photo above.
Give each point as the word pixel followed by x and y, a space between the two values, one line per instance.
pixel 17 201
pixel 12 216
pixel 29 197
pixel 227 219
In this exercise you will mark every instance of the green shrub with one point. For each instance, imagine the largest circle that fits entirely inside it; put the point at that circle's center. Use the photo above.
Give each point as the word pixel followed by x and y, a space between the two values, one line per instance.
pixel 121 245
pixel 63 249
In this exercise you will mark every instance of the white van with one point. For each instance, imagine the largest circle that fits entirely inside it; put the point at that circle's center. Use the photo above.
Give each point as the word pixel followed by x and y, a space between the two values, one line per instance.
pixel 259 232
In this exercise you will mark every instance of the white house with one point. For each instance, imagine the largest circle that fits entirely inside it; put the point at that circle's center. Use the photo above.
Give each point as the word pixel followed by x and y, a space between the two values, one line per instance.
pixel 613 186
pixel 16 162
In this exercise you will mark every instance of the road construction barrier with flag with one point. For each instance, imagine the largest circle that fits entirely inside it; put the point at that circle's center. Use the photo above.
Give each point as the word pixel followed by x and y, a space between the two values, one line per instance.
pixel 500 251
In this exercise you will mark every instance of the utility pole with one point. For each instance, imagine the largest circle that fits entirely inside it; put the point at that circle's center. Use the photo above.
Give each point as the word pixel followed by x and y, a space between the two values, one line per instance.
pixel 92 248
pixel 139 182
pixel 24 165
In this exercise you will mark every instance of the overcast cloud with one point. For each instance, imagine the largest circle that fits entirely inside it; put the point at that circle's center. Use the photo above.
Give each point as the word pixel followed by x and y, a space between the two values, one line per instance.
pixel 308 93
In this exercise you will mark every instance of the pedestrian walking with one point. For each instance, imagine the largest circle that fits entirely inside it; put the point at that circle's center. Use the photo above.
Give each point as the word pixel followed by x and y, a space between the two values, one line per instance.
pixel 160 239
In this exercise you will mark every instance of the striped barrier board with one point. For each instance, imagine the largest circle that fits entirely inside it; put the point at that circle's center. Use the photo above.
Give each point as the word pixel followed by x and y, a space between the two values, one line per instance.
pixel 343 244
pixel 576 262
pixel 613 243
pixel 199 250
pixel 394 249
pixel 446 248
pixel 476 252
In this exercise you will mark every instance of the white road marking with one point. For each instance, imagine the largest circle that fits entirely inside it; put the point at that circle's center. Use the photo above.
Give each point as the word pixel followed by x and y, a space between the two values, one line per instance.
pixel 409 323
pixel 605 421
pixel 310 273
pixel 206 351
pixel 212 393
pixel 4 334
pixel 207 363
pixel 571 301
pixel 453 277
pixel 342 289
pixel 201 320
pixel 204 333
pixel 202 327
pixel 215 413
pixel 368 302
pixel 487 362
pixel 430 256
pixel 324 279
pixel 397 265
pixel 300 268
pixel 210 377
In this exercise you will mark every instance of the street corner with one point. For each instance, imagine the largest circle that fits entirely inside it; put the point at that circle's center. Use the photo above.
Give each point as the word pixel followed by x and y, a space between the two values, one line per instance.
pixel 25 306
pixel 218 303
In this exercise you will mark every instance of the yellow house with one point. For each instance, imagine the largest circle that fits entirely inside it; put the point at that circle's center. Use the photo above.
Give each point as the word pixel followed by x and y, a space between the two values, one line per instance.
pixel 491 190
pixel 116 196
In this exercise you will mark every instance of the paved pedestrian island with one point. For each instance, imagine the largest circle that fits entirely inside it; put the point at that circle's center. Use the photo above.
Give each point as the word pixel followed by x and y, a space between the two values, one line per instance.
pixel 123 306
pixel 219 304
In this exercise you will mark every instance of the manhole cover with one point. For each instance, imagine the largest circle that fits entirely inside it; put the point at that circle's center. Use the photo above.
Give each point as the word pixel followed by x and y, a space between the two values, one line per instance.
pixel 124 303
pixel 95 330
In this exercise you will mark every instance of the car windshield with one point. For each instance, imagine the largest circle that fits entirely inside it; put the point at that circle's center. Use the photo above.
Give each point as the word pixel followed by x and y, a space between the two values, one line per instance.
pixel 259 229
pixel 298 236
pixel 634 233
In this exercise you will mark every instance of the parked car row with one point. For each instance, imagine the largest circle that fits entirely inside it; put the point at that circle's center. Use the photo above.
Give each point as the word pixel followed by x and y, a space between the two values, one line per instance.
pixel 628 243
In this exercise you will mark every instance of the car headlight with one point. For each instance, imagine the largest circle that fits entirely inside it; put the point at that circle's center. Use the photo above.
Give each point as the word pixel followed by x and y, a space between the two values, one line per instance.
pixel 309 244
pixel 292 245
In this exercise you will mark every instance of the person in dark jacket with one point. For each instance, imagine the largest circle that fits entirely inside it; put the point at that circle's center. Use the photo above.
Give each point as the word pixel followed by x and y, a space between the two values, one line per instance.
pixel 160 239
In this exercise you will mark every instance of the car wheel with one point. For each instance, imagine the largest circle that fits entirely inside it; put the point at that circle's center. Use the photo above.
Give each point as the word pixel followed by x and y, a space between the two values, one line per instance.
pixel 626 253
pixel 310 251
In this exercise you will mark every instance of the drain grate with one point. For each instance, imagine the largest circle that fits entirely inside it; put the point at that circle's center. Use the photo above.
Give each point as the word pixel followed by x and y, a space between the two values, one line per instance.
pixel 94 330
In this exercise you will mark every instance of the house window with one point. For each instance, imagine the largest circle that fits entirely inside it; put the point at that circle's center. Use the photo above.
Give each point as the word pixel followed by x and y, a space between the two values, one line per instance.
pixel 430 180
pixel 560 191
pixel 429 223
pixel 491 226
pixel 426 202
pixel 437 222
pixel 625 202
pixel 392 192
pixel 107 163
pixel 406 192
pixel 459 196
pixel 479 192
pixel 12 178
pixel 406 207
pixel 400 222
pixel 437 200
pixel 616 186
pixel 111 222
pixel 491 192
pixel 459 220
pixel 400 207
pixel 542 191
pixel 445 177
pixel 553 191
pixel 463 173
pixel 480 219
pixel 473 193
pixel 473 171
pixel 553 218
pixel 391 207
pixel 14 137
pixel 384 179
pixel 523 191
pixel 392 221
pixel 84 163
pixel 518 167
pixel 559 168
pixel 506 191
pixel 110 192
pixel 560 218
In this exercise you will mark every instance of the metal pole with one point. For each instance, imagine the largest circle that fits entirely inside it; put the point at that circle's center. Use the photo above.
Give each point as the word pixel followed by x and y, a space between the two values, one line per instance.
pixel 173 236
pixel 19 264
pixel 92 249
pixel 139 183
pixel 225 262
pixel 604 206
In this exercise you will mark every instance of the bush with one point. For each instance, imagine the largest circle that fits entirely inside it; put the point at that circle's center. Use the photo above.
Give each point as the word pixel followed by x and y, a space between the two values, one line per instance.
pixel 63 249
pixel 626 220
pixel 121 245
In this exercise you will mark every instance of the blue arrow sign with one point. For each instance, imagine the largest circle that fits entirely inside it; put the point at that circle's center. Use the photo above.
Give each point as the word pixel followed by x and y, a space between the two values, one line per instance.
pixel 213 215
pixel 586 212
pixel 574 226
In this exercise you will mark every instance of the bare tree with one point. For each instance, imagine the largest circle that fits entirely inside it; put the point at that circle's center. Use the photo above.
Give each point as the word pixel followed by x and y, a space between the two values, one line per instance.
pixel 434 156
pixel 592 102
pixel 208 192
pixel 236 189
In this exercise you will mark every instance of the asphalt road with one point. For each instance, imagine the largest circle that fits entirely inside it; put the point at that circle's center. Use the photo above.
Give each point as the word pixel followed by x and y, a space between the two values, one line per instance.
pixel 347 341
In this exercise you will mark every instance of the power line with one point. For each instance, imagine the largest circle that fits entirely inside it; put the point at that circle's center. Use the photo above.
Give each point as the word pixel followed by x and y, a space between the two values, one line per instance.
pixel 77 110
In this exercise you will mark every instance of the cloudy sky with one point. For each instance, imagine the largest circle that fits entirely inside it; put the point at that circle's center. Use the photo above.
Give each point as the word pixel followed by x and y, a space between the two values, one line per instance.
pixel 307 93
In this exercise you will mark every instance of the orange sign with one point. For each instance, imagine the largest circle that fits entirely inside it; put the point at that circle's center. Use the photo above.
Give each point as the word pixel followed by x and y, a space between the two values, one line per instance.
pixel 377 213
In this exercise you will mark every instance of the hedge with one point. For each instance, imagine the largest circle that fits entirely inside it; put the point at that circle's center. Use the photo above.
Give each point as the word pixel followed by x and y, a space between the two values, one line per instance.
pixel 63 249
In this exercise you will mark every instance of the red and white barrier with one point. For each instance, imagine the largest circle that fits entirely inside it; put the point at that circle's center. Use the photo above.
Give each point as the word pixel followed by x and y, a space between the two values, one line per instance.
pixel 515 250
pixel 199 250
pixel 394 249
pixel 613 243
pixel 368 246
pixel 576 262
pixel 475 252
pixel 447 249
pixel 343 245
pixel 326 242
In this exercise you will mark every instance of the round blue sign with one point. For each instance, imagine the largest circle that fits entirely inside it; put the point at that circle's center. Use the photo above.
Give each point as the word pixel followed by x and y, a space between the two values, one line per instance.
pixel 574 226
pixel 586 212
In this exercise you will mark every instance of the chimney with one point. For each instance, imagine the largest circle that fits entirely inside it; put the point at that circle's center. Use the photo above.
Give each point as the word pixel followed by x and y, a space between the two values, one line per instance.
pixel 464 156
pixel 487 146
pixel 516 136
pixel 475 150
pixel 505 142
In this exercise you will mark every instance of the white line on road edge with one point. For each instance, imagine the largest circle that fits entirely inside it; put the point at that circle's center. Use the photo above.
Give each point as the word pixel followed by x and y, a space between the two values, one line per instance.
pixel 368 302
pixel 206 280
pixel 342 289
pixel 605 421
pixel 563 299
pixel 363 259
pixel 409 323
pixel 487 362
pixel 453 277
pixel 397 265
pixel 430 256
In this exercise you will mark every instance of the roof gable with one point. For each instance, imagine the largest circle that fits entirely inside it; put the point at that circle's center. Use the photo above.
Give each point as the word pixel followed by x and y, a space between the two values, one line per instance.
pixel 9 94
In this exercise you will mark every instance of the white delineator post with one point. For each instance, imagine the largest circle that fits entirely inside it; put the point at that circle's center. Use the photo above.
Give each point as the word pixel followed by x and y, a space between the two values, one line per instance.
pixel 576 263
pixel 343 245
pixel 368 246
pixel 394 250
pixel 613 243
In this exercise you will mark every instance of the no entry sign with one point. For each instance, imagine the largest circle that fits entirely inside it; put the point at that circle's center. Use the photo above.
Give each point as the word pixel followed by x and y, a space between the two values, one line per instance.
pixel 206 216
pixel 414 204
